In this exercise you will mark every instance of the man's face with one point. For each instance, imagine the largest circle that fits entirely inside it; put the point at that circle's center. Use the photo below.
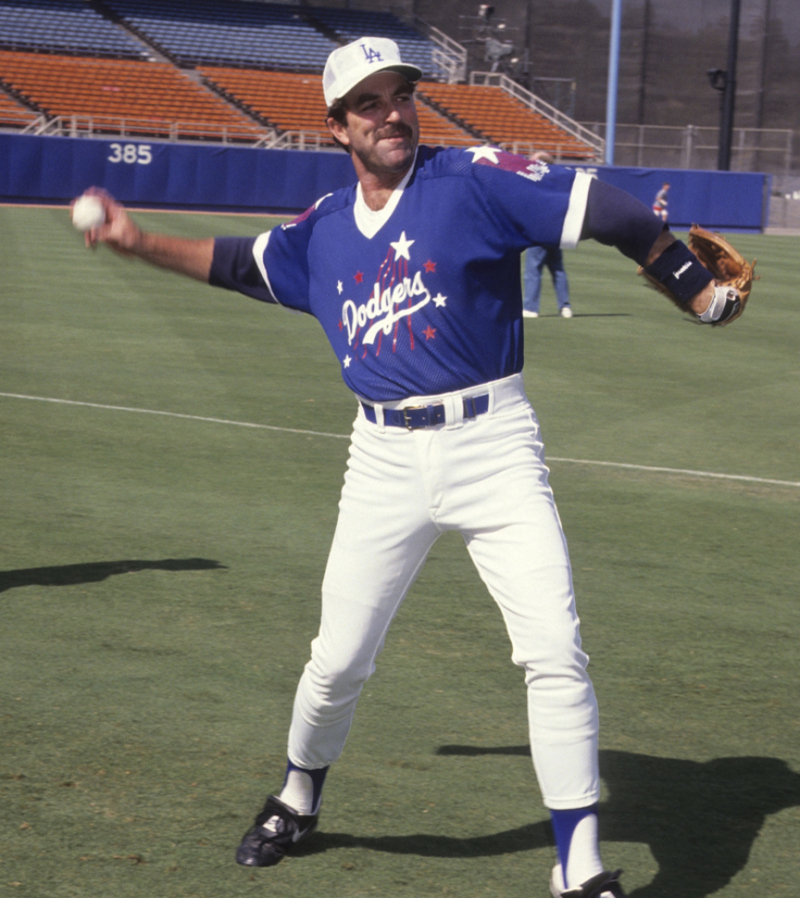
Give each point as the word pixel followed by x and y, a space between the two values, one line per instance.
pixel 381 128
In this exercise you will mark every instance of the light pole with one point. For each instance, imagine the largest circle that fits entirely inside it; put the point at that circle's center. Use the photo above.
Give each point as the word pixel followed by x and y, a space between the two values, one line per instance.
pixel 613 80
pixel 726 82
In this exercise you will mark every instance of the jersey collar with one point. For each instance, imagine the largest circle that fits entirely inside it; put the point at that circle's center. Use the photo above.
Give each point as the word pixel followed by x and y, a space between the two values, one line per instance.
pixel 368 221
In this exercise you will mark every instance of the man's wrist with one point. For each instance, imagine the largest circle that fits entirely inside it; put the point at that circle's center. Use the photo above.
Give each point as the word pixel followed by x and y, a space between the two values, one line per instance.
pixel 725 305
pixel 680 272
pixel 700 302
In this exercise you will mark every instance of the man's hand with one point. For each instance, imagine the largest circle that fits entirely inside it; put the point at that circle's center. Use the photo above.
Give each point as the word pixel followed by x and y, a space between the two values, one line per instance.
pixel 179 254
pixel 119 230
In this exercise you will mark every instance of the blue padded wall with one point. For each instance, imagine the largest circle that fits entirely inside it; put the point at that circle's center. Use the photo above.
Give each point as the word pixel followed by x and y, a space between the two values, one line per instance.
pixel 56 169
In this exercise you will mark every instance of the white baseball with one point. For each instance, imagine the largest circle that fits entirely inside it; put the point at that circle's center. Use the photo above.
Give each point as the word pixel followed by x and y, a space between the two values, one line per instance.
pixel 88 213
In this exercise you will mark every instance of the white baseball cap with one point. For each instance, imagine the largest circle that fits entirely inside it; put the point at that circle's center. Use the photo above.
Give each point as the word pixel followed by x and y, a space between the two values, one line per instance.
pixel 351 64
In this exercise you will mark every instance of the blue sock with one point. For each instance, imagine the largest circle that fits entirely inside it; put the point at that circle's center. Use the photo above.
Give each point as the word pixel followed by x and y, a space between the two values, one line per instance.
pixel 296 793
pixel 564 825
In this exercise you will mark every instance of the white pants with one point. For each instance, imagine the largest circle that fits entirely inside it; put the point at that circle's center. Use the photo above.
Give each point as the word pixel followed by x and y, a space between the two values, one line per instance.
pixel 486 478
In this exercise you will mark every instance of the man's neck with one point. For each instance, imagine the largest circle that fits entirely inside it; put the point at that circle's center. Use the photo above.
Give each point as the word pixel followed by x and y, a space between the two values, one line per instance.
pixel 378 187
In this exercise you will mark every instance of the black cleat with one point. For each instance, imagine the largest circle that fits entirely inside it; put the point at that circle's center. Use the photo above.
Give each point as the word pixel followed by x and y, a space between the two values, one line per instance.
pixel 275 830
pixel 604 885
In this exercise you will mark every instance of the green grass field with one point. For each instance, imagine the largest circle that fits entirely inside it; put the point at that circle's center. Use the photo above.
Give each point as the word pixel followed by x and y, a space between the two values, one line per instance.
pixel 160 568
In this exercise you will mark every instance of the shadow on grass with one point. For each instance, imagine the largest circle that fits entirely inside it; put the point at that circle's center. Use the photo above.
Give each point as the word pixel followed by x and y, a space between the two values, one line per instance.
pixel 94 572
pixel 524 838
pixel 699 819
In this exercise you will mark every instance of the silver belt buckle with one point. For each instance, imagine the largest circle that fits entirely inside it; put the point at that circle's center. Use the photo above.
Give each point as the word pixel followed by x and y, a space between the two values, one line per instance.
pixel 406 421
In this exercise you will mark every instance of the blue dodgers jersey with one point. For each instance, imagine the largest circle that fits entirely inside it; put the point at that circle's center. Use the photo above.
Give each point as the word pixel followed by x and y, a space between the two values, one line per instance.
pixel 431 302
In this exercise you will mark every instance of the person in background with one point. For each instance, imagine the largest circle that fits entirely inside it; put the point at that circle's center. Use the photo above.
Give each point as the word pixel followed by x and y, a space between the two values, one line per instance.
pixel 660 203
pixel 536 259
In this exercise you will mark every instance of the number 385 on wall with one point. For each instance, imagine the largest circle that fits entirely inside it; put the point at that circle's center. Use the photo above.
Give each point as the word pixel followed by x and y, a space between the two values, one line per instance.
pixel 131 153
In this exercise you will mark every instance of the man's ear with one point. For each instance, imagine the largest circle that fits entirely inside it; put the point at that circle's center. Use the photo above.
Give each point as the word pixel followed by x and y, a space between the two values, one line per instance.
pixel 338 131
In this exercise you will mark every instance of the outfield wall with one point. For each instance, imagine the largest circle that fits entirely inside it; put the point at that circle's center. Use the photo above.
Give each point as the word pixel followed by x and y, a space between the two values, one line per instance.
pixel 221 178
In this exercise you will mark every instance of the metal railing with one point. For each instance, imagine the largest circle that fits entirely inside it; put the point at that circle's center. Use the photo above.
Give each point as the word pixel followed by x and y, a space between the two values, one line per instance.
pixel 784 212
pixel 537 104
pixel 561 153
pixel 448 54
pixel 103 125
pixel 641 146
pixel 297 140
pixel 663 146
pixel 137 129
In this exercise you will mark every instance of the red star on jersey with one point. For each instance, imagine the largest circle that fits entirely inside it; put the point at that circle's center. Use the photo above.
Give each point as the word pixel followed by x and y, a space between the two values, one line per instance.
pixel 430 332
pixel 429 266
pixel 341 324
pixel 359 276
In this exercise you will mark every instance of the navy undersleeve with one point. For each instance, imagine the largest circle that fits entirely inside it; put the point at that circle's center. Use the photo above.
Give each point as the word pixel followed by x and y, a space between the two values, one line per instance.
pixel 234 267
pixel 616 218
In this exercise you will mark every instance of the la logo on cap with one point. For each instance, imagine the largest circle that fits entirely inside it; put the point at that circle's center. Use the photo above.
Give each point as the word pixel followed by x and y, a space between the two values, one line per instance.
pixel 348 65
pixel 371 54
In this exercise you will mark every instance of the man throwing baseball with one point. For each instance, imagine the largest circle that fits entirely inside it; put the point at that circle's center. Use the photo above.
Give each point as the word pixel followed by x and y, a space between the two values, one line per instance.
pixel 414 274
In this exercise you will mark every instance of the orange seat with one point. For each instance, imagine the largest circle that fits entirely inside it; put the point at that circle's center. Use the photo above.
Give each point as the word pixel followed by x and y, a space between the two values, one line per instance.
pixel 293 102
pixel 503 119
pixel 120 91
pixel 14 113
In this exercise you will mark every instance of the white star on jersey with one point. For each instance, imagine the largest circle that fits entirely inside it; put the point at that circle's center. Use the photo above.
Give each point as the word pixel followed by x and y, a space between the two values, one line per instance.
pixel 339 287
pixel 439 300
pixel 347 361
pixel 401 247
pixel 489 153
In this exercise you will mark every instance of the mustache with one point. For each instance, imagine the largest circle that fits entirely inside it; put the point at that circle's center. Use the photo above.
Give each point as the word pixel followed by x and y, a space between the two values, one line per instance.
pixel 398 130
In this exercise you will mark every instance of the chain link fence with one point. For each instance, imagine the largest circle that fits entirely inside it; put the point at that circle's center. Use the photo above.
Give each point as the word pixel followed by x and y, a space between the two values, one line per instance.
pixel 659 146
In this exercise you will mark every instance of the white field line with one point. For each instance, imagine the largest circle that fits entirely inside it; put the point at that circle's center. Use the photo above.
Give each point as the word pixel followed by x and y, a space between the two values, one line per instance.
pixel 686 472
pixel 149 411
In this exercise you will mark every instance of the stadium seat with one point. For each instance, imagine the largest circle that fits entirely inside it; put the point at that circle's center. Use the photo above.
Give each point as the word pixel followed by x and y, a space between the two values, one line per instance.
pixel 142 97
pixel 14 114
pixel 228 33
pixel 351 24
pixel 264 58
pixel 504 120
pixel 294 102
pixel 65 26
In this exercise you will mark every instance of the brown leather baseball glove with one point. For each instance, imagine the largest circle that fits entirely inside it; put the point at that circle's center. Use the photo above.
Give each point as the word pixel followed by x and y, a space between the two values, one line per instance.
pixel 725 262
pixel 733 277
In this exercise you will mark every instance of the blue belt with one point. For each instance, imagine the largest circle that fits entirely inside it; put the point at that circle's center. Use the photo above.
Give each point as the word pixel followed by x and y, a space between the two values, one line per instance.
pixel 417 416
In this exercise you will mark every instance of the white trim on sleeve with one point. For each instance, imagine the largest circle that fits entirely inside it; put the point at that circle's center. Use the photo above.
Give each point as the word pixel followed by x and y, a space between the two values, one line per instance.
pixel 576 212
pixel 259 248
